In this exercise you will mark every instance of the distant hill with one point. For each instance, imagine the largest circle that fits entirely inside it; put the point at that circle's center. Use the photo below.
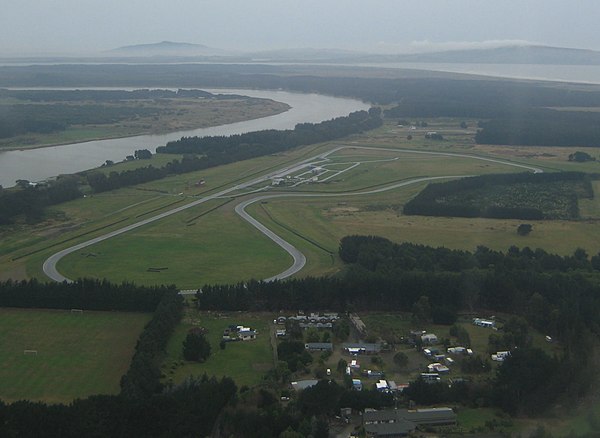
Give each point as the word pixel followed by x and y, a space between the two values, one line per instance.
pixel 168 48
pixel 504 55
pixel 522 54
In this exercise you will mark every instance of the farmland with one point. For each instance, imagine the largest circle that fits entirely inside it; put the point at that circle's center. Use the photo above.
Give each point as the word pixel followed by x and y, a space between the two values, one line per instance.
pixel 77 354
pixel 312 222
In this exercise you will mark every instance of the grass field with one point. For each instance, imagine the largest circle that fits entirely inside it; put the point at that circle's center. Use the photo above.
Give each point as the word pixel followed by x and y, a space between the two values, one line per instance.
pixel 219 247
pixel 246 362
pixel 78 354
pixel 313 224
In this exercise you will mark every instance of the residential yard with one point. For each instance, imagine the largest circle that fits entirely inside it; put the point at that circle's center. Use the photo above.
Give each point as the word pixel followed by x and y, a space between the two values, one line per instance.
pixel 244 361
pixel 395 326
pixel 78 354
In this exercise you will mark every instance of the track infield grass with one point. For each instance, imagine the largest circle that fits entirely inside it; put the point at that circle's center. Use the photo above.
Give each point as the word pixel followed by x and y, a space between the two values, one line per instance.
pixel 78 354
pixel 216 248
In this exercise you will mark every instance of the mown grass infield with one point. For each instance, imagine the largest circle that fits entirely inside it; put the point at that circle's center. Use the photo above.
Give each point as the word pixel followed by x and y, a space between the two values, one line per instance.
pixel 71 354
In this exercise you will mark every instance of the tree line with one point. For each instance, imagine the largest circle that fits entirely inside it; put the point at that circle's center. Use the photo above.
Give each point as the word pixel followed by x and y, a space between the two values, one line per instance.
pixel 557 295
pixel 542 127
pixel 145 406
pixel 206 152
pixel 100 95
pixel 187 410
pixel 380 254
pixel 30 201
pixel 23 118
pixel 86 294
pixel 429 201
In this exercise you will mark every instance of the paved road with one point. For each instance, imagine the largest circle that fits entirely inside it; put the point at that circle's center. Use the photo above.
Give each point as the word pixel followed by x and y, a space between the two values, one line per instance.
pixel 49 266
pixel 299 258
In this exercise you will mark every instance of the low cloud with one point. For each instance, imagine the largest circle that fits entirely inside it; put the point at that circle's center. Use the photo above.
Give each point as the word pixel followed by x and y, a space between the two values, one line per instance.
pixel 424 46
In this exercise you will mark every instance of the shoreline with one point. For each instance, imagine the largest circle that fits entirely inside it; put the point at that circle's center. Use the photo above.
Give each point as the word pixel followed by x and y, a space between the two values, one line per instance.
pixel 116 137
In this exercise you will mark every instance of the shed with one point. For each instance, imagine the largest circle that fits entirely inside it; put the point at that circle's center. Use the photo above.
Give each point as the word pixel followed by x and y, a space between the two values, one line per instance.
pixel 319 346
pixel 429 338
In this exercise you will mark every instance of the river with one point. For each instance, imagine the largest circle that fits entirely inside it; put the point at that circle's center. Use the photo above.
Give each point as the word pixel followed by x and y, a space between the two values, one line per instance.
pixel 39 164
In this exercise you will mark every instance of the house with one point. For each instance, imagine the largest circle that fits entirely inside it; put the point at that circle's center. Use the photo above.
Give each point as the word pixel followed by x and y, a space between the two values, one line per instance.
pixel 500 356
pixel 280 333
pixel 303 384
pixel 382 386
pixel 484 323
pixel 429 338
pixel 247 334
pixel 430 377
pixel 357 384
pixel 354 364
pixel 361 348
pixel 319 346
pixel 456 350
pixel 437 368
pixel 374 374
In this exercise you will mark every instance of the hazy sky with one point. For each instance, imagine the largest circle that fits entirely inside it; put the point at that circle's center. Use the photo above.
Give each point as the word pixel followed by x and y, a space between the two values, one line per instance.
pixel 77 26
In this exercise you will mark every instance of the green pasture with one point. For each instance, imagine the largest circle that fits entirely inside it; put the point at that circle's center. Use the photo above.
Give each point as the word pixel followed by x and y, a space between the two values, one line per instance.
pixel 25 247
pixel 327 220
pixel 217 247
pixel 78 354
pixel 221 247
pixel 245 361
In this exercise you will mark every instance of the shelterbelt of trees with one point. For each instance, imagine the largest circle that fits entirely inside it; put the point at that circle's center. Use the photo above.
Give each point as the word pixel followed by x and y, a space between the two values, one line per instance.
pixel 214 151
pixel 31 201
pixel 446 199
pixel 554 294
pixel 144 407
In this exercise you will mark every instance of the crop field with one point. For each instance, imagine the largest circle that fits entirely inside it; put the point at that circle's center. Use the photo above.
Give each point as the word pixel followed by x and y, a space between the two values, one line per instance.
pixel 245 361
pixel 73 355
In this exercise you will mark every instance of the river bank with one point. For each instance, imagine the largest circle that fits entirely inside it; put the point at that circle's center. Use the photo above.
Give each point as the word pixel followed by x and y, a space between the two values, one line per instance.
pixel 168 115
pixel 42 163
